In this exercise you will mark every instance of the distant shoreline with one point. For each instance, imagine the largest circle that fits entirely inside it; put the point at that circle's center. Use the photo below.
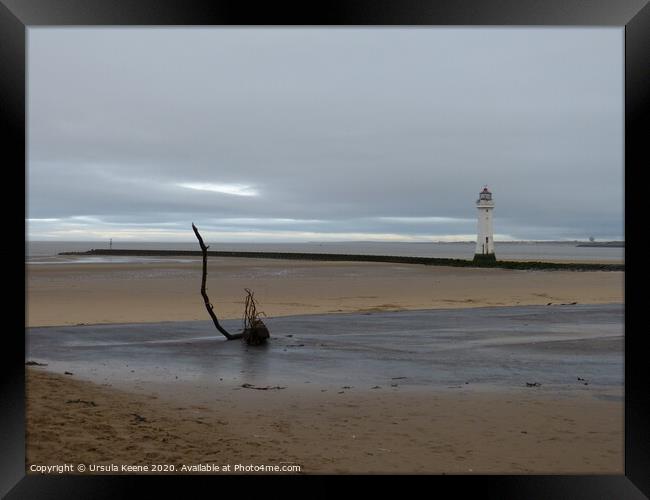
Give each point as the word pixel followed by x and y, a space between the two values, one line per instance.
pixel 603 244
pixel 430 261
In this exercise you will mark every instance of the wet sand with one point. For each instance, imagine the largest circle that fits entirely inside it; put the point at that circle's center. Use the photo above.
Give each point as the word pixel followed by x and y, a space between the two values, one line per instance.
pixel 68 294
pixel 496 346
pixel 424 391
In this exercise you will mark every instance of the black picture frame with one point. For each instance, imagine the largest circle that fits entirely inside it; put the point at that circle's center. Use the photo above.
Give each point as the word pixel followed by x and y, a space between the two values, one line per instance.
pixel 634 15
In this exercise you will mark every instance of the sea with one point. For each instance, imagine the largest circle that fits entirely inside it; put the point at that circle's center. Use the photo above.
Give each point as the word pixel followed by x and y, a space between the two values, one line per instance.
pixel 46 252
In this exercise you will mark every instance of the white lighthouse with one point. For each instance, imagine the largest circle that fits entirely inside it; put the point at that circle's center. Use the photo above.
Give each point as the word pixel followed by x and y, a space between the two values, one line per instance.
pixel 485 236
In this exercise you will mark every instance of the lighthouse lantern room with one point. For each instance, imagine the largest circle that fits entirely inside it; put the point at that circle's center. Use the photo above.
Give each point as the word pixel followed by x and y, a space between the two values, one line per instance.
pixel 485 236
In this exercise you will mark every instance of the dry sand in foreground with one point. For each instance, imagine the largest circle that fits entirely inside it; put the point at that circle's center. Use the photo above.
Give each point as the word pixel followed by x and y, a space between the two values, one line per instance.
pixel 379 431
pixel 62 294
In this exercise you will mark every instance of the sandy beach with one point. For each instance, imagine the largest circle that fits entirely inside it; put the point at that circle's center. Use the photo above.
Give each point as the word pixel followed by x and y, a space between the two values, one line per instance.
pixel 323 429
pixel 68 294
pixel 353 432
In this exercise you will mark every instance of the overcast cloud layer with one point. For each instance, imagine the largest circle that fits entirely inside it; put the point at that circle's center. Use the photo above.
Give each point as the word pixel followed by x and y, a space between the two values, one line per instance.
pixel 324 134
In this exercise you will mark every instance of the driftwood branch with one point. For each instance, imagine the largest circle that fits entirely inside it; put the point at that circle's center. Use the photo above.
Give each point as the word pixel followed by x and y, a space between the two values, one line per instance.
pixel 255 331
pixel 206 299
pixel 251 314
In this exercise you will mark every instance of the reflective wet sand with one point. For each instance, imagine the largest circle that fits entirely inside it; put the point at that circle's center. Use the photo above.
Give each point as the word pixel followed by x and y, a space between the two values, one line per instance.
pixel 552 346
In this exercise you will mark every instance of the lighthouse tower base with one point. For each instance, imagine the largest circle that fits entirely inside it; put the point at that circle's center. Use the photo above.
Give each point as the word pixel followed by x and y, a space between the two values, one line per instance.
pixel 484 258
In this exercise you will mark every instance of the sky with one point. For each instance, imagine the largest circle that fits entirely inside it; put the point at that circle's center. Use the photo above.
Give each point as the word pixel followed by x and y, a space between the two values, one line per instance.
pixel 304 134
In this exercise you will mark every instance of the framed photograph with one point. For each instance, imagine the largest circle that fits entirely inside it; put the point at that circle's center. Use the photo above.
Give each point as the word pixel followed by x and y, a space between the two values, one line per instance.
pixel 362 239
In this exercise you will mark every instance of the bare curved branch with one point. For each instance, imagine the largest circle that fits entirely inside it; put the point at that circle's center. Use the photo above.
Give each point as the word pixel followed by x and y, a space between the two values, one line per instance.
pixel 206 299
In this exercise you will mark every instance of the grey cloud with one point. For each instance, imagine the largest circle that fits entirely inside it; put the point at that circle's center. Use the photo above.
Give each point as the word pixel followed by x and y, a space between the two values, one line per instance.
pixel 347 126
